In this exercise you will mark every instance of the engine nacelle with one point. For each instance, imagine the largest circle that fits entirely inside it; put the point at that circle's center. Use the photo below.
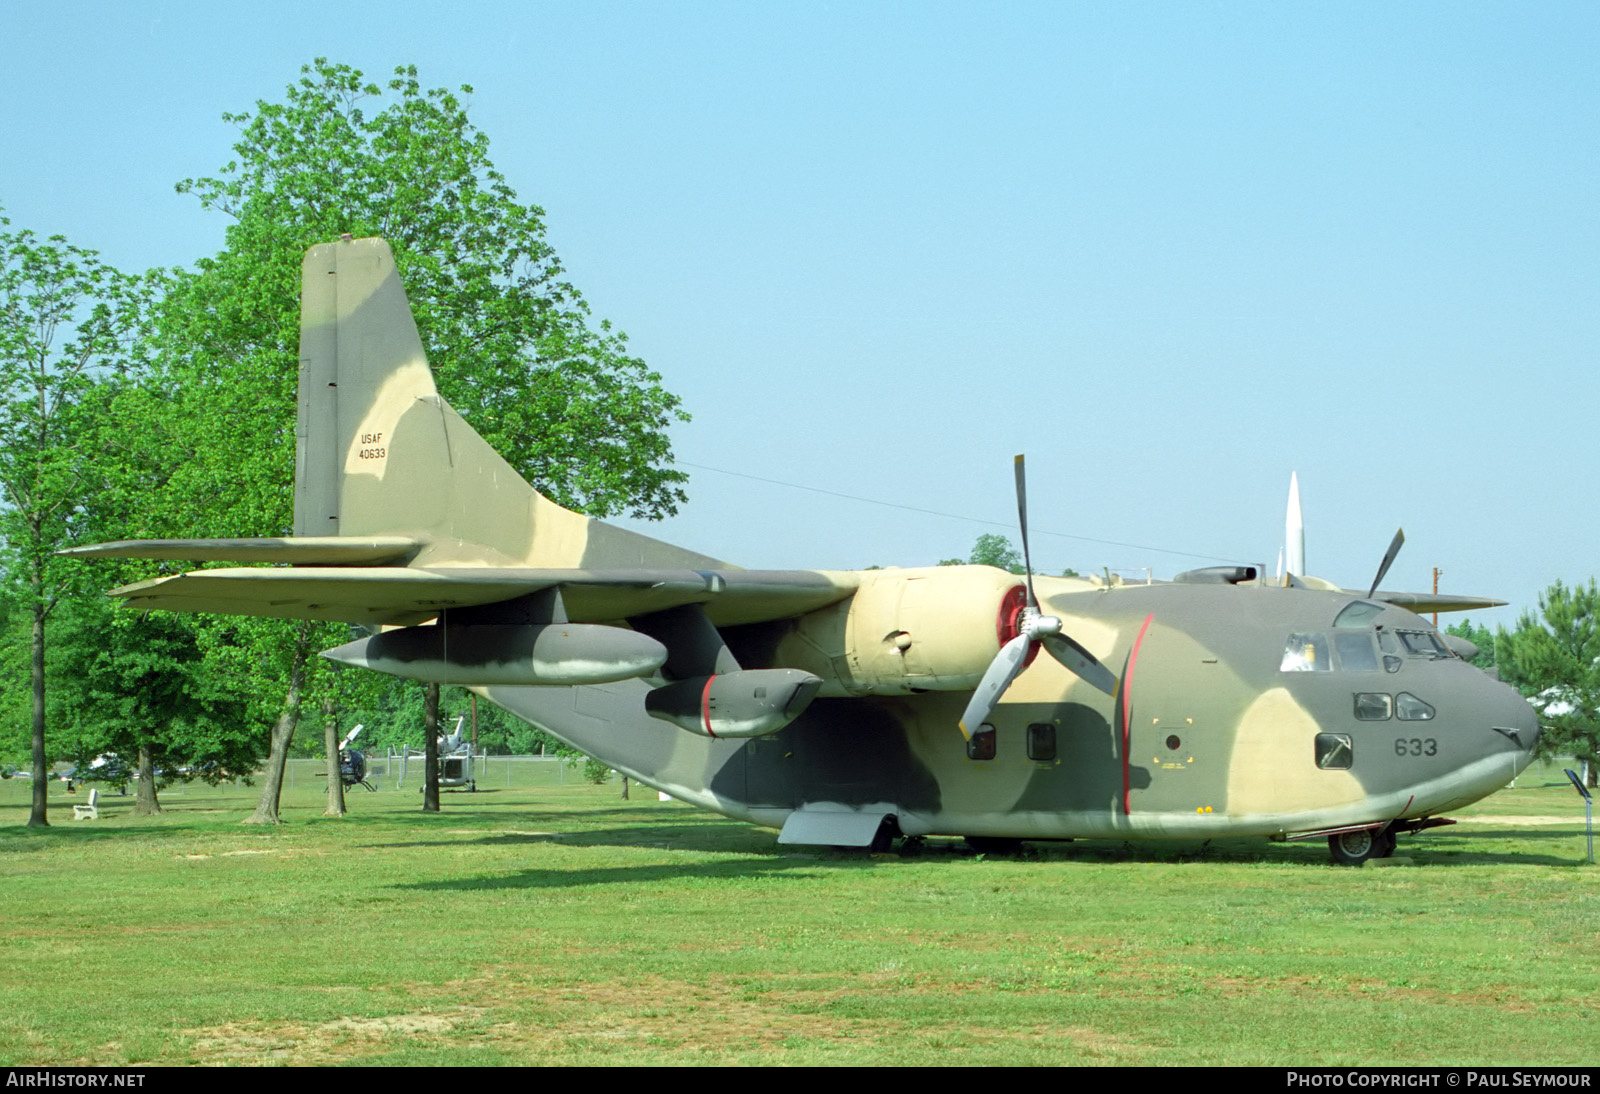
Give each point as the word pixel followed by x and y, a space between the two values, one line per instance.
pixel 493 653
pixel 934 628
pixel 743 703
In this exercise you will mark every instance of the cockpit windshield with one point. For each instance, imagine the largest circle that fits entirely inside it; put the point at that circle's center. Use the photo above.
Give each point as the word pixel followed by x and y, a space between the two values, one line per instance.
pixel 1353 644
pixel 1352 649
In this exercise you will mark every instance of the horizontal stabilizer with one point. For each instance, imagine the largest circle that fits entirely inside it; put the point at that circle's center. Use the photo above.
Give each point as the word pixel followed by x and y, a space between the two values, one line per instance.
pixel 294 550
pixel 405 596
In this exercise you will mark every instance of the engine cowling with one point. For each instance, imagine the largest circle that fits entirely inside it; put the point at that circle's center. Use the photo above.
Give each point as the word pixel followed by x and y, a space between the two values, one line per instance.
pixel 742 703
pixel 934 628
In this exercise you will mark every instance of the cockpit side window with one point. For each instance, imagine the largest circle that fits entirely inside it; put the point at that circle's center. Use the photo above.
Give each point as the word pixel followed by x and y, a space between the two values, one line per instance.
pixel 1306 653
pixel 1424 644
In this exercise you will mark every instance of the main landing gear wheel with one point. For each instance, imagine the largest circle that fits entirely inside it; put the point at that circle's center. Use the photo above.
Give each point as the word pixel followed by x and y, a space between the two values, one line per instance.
pixel 1354 848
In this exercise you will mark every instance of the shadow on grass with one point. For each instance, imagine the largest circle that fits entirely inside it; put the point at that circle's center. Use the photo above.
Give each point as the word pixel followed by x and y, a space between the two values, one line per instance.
pixel 20 838
pixel 1454 848
pixel 795 867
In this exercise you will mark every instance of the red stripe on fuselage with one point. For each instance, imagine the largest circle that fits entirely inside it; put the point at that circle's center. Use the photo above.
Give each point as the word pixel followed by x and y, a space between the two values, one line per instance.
pixel 1127 708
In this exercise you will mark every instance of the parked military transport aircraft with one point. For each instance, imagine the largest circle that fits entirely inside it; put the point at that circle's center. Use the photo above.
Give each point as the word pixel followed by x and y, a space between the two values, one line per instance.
pixel 844 708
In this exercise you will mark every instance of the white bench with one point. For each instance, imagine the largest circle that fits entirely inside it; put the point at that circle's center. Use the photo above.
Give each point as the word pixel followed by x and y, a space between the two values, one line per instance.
pixel 90 810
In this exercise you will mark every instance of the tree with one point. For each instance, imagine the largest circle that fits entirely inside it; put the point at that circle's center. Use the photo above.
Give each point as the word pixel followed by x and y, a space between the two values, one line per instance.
pixel 1555 663
pixel 1479 636
pixel 512 344
pixel 991 550
pixel 67 321
pixel 139 689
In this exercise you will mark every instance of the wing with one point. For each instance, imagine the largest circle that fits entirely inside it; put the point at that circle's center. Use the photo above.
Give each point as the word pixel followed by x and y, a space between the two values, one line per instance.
pixel 295 550
pixel 392 595
pixel 1434 602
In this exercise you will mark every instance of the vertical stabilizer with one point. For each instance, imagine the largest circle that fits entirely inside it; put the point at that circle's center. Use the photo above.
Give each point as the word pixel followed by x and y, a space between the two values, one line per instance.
pixel 378 452
pixel 362 367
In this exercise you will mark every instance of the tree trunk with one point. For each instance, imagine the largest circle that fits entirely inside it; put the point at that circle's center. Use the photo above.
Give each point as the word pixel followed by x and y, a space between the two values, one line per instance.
pixel 272 785
pixel 624 788
pixel 330 741
pixel 38 817
pixel 144 802
pixel 430 755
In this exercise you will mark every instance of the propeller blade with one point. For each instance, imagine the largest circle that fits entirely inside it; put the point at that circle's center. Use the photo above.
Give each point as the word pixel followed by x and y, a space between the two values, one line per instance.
pixel 1033 628
pixel 1022 522
pixel 1388 559
pixel 1005 667
pixel 1079 660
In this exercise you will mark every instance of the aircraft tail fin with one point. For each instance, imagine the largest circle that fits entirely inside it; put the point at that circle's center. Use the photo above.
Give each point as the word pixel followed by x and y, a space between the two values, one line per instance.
pixel 380 453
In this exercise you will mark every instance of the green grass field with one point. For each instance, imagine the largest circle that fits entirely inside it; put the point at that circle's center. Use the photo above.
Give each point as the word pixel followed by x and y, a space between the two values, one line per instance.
pixel 557 924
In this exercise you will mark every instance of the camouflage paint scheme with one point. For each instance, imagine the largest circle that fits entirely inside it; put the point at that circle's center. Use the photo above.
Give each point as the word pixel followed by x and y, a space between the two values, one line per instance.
pixel 404 517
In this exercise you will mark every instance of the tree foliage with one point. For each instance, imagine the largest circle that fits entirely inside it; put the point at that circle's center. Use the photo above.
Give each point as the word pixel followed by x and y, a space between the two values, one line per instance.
pixel 1555 662
pixel 991 550
pixel 512 343
pixel 68 323
pixel 138 687
pixel 1479 636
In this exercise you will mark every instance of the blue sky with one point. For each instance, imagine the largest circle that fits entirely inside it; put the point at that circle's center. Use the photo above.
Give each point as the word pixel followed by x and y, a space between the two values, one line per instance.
pixel 1171 251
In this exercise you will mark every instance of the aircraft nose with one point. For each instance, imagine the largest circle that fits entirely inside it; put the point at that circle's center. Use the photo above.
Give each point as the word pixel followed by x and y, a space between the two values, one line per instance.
pixel 1516 721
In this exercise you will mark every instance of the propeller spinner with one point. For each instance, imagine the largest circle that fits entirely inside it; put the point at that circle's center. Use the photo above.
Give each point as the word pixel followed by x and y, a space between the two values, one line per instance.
pixel 1033 629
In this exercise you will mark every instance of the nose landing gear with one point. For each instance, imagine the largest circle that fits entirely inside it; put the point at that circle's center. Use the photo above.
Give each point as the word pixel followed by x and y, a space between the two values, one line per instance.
pixel 1354 848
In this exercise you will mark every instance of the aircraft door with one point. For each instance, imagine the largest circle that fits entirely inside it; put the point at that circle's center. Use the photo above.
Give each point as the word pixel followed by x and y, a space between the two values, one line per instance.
pixel 1176 761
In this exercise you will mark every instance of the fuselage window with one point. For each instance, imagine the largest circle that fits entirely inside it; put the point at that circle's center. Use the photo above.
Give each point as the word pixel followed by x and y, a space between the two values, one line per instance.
pixel 1334 752
pixel 1041 741
pixel 1373 706
pixel 980 746
pixel 1411 709
pixel 1306 653
pixel 1355 651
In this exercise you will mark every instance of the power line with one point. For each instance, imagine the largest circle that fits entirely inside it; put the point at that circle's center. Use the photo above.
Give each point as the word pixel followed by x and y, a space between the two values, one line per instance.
pixel 950 516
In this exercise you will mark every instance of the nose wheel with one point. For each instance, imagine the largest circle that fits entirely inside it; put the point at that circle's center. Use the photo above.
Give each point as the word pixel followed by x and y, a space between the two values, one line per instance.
pixel 1354 848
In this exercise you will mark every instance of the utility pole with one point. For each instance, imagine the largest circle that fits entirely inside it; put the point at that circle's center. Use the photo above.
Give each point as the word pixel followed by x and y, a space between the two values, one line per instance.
pixel 1436 573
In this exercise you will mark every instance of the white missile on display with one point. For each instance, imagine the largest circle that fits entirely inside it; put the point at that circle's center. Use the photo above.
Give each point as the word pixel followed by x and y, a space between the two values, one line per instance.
pixel 563 654
pixel 1294 532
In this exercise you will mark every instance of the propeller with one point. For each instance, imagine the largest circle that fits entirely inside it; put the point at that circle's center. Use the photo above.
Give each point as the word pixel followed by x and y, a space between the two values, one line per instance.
pixel 1388 559
pixel 1033 629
